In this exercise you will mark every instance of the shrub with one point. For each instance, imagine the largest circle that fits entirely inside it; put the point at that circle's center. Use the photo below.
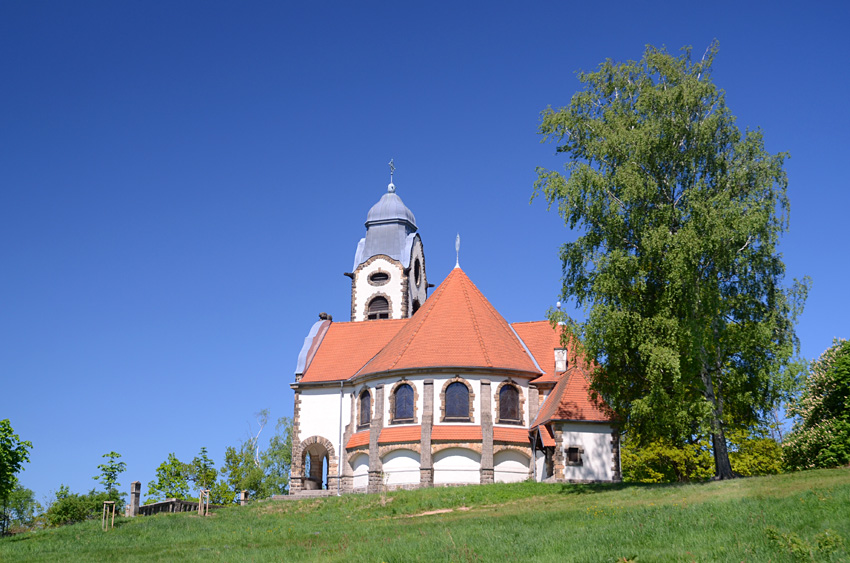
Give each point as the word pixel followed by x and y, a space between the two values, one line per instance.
pixel 70 508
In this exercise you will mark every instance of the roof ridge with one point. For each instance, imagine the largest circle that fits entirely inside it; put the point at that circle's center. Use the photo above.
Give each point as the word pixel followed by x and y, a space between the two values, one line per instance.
pixel 475 323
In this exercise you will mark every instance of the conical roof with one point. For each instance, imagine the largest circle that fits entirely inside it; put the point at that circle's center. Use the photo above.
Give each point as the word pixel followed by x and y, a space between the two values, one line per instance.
pixel 458 328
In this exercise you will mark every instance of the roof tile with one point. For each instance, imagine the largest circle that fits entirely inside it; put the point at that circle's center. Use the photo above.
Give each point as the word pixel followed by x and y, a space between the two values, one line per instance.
pixel 455 327
pixel 347 346
pixel 455 433
pixel 570 400
pixel 400 434
pixel 358 439
pixel 511 435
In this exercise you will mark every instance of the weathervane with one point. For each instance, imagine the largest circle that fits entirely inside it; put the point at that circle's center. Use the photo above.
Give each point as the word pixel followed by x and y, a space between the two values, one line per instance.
pixel 391 187
pixel 457 250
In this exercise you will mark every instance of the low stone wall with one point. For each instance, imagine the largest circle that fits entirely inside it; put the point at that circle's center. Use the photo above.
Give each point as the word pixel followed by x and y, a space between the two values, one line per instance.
pixel 172 505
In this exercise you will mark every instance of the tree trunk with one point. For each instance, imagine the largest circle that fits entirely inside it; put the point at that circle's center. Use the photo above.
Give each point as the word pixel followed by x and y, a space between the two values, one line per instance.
pixel 722 466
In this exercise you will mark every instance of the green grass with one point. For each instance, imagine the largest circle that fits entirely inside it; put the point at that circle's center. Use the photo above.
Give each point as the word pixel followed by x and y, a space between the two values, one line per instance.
pixel 796 517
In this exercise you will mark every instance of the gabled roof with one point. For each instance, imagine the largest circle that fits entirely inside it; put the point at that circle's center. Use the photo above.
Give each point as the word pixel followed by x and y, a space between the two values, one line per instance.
pixel 570 401
pixel 455 327
pixel 346 347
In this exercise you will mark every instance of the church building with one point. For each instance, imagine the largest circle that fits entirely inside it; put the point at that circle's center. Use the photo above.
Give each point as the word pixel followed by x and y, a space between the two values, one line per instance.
pixel 420 390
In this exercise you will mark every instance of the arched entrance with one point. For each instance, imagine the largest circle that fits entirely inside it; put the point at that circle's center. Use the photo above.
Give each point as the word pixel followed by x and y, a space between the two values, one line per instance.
pixel 318 462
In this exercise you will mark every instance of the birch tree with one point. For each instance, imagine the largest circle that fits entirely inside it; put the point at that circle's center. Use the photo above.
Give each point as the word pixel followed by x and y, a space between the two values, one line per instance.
pixel 678 215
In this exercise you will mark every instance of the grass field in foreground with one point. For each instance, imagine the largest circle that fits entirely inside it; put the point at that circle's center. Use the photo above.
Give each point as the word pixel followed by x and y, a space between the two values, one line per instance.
pixel 796 517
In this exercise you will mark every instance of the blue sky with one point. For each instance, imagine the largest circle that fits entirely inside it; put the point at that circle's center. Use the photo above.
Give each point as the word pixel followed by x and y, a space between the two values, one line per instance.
pixel 183 184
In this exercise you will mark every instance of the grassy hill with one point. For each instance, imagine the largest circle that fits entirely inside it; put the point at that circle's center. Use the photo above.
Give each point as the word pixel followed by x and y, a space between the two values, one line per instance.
pixel 796 517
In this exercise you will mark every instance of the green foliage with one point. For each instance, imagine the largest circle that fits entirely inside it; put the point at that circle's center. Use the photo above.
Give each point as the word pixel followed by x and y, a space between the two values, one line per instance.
pixel 171 481
pixel 202 471
pixel 21 509
pixel 110 470
pixel 660 461
pixel 71 508
pixel 751 453
pixel 14 452
pixel 266 473
pixel 754 453
pixel 277 459
pixel 821 436
pixel 823 545
pixel 243 473
pixel 677 262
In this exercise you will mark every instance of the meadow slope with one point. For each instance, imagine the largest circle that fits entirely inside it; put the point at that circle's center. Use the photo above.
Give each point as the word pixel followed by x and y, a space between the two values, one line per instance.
pixel 796 517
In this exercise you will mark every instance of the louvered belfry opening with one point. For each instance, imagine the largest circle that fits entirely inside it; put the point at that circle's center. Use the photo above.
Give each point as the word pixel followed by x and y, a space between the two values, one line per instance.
pixel 379 308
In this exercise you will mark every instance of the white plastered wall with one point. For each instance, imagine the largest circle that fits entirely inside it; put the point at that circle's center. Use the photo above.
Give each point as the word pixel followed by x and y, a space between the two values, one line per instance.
pixel 392 288
pixel 360 465
pixel 457 465
pixel 510 466
pixel 401 467
pixel 320 414
pixel 597 457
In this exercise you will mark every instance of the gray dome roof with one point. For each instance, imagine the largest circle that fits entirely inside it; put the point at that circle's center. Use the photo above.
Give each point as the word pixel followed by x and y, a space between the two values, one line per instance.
pixel 390 209
pixel 390 230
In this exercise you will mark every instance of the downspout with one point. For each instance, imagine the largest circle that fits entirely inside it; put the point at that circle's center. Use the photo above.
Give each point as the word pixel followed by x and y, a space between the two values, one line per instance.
pixel 534 453
pixel 339 450
pixel 620 456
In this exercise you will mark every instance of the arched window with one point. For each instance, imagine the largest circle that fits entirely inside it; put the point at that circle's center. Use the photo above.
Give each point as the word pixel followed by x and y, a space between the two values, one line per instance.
pixel 509 404
pixel 365 408
pixel 403 404
pixel 457 402
pixel 379 308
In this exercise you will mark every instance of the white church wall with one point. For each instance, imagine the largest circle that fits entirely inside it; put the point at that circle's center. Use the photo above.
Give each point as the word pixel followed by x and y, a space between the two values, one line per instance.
pixel 360 468
pixel 401 467
pixel 319 415
pixel 597 457
pixel 540 466
pixel 457 465
pixel 363 290
pixel 510 466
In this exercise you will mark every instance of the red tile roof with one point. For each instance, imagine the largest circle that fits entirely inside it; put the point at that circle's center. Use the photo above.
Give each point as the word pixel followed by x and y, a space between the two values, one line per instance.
pixel 347 346
pixel 455 327
pixel 570 400
pixel 542 339
pixel 358 439
pixel 546 436
pixel 455 433
pixel 511 435
pixel 393 435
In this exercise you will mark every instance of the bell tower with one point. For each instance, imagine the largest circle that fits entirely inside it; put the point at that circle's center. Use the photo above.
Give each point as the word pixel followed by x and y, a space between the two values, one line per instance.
pixel 388 280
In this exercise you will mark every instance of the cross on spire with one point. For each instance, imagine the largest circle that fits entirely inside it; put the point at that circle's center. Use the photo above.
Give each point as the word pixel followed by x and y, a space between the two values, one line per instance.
pixel 392 169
